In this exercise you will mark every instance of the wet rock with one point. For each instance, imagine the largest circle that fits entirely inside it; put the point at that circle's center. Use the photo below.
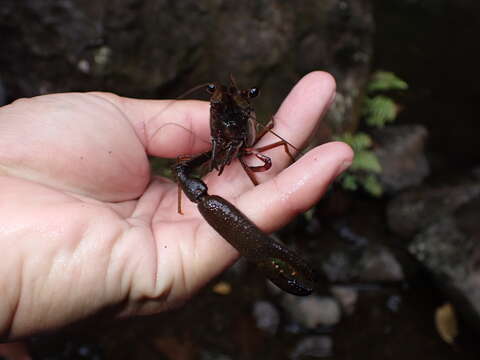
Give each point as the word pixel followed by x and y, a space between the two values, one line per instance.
pixel 313 346
pixel 347 297
pixel 312 311
pixel 400 150
pixel 372 263
pixel 443 223
pixel 442 246
pixel 414 210
pixel 266 316
pixel 378 264
pixel 337 267
pixel 449 247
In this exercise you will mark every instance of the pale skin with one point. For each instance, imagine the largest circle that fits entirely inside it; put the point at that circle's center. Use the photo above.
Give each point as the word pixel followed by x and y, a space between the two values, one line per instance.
pixel 85 227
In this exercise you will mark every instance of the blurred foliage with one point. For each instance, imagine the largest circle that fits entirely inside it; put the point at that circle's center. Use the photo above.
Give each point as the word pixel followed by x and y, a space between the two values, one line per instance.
pixel 385 81
pixel 378 110
pixel 364 167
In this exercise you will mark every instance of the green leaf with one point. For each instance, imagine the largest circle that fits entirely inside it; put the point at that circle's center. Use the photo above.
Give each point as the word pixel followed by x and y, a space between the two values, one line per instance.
pixel 385 81
pixel 359 141
pixel 379 110
pixel 371 185
pixel 366 161
pixel 362 141
pixel 349 182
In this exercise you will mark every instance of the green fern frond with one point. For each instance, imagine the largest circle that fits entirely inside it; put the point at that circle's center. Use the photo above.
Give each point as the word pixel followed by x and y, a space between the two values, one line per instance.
pixel 379 110
pixel 349 182
pixel 371 185
pixel 366 161
pixel 385 81
pixel 358 142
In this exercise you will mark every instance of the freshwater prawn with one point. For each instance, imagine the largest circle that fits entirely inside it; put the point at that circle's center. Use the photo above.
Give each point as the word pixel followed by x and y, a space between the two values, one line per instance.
pixel 234 134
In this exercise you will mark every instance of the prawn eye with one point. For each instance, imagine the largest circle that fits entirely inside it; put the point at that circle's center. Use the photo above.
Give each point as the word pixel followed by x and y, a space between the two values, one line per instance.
pixel 253 92
pixel 211 88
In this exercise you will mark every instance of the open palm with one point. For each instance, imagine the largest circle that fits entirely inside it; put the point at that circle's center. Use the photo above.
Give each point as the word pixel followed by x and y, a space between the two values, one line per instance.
pixel 84 226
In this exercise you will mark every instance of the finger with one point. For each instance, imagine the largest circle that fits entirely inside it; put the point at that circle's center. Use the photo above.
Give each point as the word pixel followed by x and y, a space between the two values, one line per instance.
pixel 298 116
pixel 167 128
pixel 297 188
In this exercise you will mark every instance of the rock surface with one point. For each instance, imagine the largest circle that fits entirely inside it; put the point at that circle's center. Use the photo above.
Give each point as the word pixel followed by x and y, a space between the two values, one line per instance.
pixel 400 150
pixel 371 264
pixel 443 223
pixel 414 210
pixel 157 48
pixel 347 296
pixel 266 316
pixel 378 264
pixel 312 311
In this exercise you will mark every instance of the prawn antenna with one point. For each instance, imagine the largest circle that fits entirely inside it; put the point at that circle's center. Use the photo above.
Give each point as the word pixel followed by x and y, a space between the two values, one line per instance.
pixel 281 138
pixel 192 90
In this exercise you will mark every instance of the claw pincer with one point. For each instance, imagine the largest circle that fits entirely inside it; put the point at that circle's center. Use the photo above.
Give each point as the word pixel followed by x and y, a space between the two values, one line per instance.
pixel 282 266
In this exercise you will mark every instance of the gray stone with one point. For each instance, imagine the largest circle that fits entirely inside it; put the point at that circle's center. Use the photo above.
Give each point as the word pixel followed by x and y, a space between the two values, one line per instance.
pixel 347 296
pixel 338 267
pixel 364 262
pixel 449 247
pixel 400 150
pixel 266 316
pixel 378 264
pixel 312 311
pixel 414 210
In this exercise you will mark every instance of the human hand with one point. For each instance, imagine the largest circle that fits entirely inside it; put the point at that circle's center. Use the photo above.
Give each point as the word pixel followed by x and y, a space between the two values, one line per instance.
pixel 84 227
